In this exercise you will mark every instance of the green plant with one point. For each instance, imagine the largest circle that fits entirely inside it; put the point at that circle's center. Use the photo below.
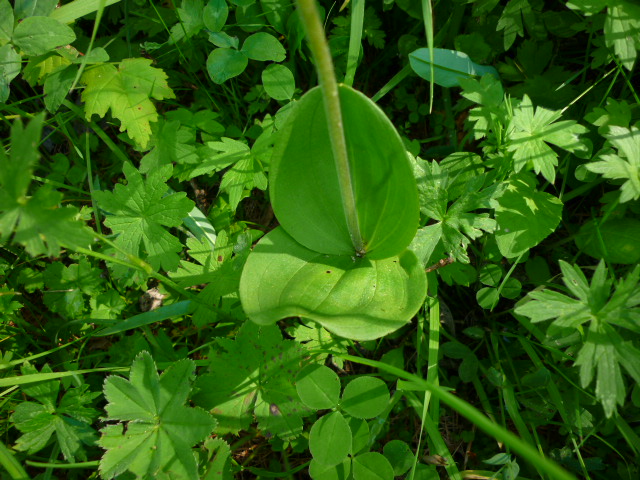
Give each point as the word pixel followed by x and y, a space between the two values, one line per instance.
pixel 424 267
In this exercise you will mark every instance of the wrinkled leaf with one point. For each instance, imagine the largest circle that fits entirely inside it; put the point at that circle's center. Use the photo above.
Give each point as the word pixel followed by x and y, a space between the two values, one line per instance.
pixel 356 298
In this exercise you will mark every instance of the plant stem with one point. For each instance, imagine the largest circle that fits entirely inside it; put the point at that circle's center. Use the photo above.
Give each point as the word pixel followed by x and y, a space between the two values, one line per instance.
pixel 329 86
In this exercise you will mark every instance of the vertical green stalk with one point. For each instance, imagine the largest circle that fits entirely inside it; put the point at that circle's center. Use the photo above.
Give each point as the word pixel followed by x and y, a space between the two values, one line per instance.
pixel 427 16
pixel 329 86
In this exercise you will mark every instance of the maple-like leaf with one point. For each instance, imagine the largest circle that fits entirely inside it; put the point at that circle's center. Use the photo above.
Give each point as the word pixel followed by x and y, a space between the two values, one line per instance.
pixel 69 419
pixel 624 166
pixel 156 430
pixel 127 91
pixel 533 130
pixel 218 268
pixel 456 224
pixel 315 337
pixel 139 213
pixel 191 21
pixel 511 20
pixel 371 30
pixel 489 94
pixel 254 375
pixel 37 221
pixel 525 215
pixel 614 113
pixel 173 144
pixel 68 286
pixel 246 170
pixel 604 350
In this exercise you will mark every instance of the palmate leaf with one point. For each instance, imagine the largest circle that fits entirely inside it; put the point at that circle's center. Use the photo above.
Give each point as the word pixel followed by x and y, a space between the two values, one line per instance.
pixel 456 223
pixel 525 215
pixel 253 375
pixel 511 20
pixel 139 211
pixel 69 419
pixel 605 353
pixel 623 166
pixel 156 430
pixel 68 286
pixel 37 221
pixel 218 268
pixel 532 131
pixel 127 91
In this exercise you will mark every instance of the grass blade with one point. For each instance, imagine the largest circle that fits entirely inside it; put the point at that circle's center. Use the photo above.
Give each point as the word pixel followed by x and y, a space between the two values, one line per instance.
pixel 11 465
pixel 355 40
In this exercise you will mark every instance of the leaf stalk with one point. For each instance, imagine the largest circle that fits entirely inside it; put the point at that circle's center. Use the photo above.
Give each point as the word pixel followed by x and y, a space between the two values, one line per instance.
pixel 331 99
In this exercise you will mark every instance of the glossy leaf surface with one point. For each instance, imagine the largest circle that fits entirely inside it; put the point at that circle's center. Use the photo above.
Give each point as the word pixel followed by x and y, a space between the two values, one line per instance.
pixel 305 192
pixel 449 66
pixel 356 298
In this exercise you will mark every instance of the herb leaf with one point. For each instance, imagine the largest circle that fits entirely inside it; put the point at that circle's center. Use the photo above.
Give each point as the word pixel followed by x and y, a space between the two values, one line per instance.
pixel 159 430
pixel 604 351
pixel 126 91
pixel 610 165
pixel 140 211
pixel 533 130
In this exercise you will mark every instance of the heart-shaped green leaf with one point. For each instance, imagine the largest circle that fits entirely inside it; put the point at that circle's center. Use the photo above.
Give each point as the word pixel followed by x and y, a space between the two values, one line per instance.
pixel 357 298
pixel 305 191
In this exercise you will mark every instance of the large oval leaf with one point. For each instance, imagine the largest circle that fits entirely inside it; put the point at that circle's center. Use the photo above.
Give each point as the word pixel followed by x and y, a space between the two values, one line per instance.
pixel 357 298
pixel 305 192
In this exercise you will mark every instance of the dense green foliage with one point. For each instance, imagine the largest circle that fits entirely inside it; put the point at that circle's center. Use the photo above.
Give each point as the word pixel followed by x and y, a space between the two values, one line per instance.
pixel 210 270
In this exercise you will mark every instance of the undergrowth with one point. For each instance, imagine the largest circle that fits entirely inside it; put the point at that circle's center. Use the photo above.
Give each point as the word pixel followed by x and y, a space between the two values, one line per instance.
pixel 208 272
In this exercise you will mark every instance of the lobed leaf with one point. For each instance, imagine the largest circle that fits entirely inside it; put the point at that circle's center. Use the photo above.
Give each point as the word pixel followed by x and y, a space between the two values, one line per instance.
pixel 126 91
pixel 525 216
pixel 139 211
pixel 160 430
